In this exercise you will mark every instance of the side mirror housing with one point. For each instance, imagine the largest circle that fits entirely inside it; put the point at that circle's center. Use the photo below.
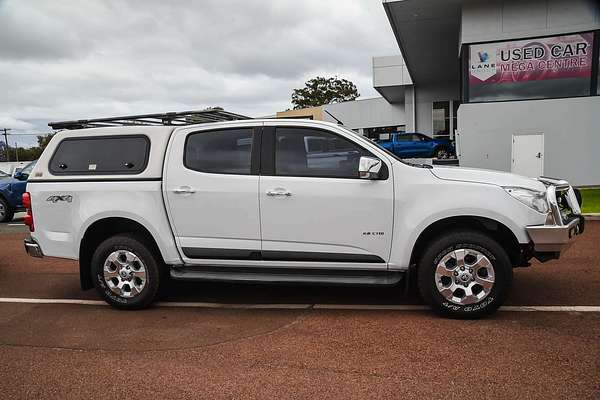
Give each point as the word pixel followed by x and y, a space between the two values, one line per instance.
pixel 369 168
pixel 20 176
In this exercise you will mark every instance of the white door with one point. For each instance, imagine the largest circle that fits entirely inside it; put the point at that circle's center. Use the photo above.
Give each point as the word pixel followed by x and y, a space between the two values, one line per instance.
pixel 315 209
pixel 211 188
pixel 528 155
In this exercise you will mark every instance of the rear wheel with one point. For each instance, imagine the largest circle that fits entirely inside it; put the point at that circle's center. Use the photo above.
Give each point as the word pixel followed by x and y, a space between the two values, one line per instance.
pixel 125 272
pixel 6 212
pixel 464 274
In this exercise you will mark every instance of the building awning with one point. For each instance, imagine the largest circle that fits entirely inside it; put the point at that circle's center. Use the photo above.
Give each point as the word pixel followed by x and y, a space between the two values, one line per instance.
pixel 214 114
pixel 428 33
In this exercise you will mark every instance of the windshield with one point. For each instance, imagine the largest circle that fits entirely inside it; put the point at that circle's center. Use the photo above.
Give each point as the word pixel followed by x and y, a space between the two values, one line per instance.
pixel 3 174
pixel 28 168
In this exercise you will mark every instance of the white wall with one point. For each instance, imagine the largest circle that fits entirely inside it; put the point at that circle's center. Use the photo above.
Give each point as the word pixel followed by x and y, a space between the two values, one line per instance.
pixel 571 129
pixel 367 113
pixel 509 19
pixel 425 95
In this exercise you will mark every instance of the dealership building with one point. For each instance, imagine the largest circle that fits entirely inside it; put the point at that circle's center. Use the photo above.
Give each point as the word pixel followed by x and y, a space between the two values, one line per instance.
pixel 514 83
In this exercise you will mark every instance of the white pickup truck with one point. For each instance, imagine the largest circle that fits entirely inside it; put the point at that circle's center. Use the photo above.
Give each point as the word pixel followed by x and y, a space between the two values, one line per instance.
pixel 286 201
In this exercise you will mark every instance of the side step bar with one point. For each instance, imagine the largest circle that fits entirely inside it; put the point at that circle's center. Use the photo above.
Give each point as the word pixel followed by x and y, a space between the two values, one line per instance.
pixel 286 276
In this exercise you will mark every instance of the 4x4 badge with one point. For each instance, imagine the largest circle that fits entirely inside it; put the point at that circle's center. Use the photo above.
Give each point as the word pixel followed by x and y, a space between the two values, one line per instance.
pixel 56 198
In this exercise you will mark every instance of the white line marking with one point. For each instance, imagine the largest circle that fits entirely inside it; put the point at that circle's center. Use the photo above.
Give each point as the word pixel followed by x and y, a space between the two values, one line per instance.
pixel 382 307
pixel 16 224
pixel 394 307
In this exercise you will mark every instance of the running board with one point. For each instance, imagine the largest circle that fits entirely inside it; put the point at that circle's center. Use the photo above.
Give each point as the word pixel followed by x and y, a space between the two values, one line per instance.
pixel 286 276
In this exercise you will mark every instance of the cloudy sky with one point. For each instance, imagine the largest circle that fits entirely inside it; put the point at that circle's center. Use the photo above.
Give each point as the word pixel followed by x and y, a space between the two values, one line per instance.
pixel 93 58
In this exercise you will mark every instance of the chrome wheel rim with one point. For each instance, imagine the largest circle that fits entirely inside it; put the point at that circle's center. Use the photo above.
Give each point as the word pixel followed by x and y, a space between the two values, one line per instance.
pixel 464 276
pixel 124 273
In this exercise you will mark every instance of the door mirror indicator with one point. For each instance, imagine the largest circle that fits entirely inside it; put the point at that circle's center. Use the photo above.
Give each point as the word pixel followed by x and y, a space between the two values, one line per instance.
pixel 369 168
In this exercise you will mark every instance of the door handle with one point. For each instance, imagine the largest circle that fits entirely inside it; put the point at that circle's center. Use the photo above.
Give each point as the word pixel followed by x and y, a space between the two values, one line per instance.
pixel 539 155
pixel 279 192
pixel 184 190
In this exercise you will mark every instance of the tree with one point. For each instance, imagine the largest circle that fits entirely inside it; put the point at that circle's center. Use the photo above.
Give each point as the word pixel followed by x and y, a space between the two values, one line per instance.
pixel 319 91
pixel 43 140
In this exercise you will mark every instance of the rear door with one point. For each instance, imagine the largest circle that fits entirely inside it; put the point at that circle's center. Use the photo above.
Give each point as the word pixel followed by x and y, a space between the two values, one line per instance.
pixel 211 191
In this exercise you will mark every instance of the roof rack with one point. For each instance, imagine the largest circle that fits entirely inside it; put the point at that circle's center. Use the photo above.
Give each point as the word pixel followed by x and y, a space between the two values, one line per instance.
pixel 212 114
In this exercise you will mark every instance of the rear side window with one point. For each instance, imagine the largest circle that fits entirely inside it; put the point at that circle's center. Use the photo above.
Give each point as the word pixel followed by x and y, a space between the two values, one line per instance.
pixel 225 151
pixel 108 155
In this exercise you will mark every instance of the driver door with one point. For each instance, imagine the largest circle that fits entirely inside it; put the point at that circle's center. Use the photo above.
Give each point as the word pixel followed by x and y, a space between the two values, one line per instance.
pixel 314 208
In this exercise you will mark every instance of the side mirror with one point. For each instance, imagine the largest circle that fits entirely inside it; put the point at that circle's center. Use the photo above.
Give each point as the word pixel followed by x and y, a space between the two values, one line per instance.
pixel 369 167
pixel 21 176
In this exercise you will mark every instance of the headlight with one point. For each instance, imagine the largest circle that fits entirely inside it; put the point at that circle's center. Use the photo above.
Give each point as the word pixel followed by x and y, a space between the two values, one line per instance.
pixel 531 198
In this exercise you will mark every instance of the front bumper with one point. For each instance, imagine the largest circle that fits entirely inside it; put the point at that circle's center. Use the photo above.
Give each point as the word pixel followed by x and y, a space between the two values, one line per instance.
pixel 559 233
pixel 33 248
pixel 555 238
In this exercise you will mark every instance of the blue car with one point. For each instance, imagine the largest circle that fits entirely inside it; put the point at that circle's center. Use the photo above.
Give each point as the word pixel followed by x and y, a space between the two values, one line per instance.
pixel 11 192
pixel 417 145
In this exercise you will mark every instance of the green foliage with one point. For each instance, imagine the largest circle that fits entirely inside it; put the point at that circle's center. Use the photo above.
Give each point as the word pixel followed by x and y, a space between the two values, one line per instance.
pixel 30 153
pixel 319 91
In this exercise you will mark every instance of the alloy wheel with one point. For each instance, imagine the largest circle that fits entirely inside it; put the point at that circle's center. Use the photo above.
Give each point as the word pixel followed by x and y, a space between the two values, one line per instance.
pixel 464 276
pixel 124 273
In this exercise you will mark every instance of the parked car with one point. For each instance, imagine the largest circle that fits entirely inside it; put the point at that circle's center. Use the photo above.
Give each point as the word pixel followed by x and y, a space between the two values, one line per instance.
pixel 272 201
pixel 11 192
pixel 417 145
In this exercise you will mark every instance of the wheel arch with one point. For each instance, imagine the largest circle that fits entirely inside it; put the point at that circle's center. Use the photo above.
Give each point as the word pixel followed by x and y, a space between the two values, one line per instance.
pixel 495 229
pixel 101 230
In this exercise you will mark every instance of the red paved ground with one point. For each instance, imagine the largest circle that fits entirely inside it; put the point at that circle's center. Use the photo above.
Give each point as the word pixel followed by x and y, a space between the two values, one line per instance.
pixel 65 351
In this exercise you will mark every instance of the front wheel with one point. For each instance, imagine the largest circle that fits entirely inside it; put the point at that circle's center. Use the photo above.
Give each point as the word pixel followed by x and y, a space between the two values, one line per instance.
pixel 464 274
pixel 440 153
pixel 126 272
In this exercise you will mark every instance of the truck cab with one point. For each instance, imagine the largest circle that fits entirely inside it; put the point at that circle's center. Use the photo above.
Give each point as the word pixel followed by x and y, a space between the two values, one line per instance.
pixel 285 201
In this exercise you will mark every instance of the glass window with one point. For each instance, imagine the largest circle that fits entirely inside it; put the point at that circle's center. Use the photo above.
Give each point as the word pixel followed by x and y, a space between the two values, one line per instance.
pixel 28 168
pixel 220 152
pixel 374 133
pixel 550 67
pixel 311 152
pixel 440 115
pixel 101 155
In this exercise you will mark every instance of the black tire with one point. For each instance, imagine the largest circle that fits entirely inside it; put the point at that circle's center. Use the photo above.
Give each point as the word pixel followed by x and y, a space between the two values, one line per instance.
pixel 440 152
pixel 464 239
pixel 137 245
pixel 8 213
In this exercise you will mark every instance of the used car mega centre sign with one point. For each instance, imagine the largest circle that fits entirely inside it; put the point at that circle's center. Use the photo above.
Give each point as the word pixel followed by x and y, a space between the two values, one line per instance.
pixel 568 56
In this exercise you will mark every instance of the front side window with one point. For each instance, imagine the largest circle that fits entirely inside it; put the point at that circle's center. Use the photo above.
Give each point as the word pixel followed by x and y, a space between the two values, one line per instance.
pixel 226 151
pixel 99 155
pixel 549 67
pixel 315 153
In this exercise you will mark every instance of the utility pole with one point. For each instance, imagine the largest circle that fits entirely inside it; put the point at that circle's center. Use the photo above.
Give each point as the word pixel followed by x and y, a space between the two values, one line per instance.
pixel 6 142
pixel 17 150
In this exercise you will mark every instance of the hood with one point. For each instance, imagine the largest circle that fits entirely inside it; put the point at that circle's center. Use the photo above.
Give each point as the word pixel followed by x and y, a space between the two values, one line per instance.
pixel 487 176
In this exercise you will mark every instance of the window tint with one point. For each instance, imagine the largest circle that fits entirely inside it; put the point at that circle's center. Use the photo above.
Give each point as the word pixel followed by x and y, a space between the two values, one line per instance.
pixel 311 152
pixel 220 152
pixel 101 155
